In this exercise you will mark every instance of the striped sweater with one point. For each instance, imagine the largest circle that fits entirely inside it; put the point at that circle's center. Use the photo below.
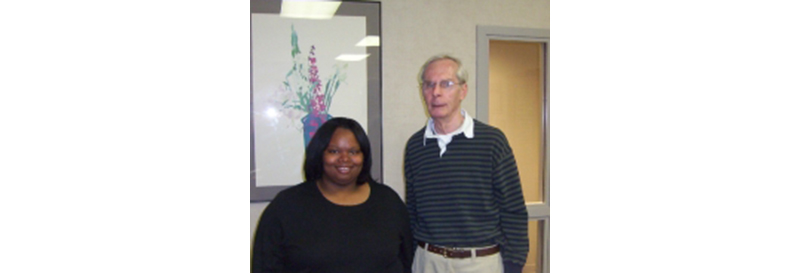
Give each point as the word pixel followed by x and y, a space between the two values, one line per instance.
pixel 470 196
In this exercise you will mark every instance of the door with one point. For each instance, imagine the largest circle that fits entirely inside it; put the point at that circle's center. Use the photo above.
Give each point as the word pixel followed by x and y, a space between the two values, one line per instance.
pixel 512 91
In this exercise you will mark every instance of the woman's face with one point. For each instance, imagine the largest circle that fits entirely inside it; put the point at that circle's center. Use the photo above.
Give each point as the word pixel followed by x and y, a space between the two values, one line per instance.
pixel 342 160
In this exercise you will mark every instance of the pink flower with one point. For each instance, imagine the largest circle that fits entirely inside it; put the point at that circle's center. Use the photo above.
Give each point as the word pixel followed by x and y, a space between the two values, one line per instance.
pixel 312 97
pixel 318 99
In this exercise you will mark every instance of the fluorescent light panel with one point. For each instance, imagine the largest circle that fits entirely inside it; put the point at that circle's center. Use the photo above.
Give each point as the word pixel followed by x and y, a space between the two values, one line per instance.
pixel 309 9
pixel 370 41
pixel 351 57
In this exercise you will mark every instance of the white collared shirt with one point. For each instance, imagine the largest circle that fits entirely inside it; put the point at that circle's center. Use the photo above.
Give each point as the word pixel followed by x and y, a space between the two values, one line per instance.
pixel 466 127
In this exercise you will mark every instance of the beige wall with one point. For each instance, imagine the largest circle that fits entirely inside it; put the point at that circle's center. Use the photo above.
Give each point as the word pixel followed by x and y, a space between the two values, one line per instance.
pixel 414 30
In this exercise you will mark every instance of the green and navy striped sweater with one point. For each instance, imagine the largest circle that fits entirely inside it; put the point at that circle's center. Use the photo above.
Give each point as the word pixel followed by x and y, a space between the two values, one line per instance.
pixel 470 196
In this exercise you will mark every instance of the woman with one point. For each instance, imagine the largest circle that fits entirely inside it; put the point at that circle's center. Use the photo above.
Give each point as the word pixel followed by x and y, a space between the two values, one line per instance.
pixel 339 219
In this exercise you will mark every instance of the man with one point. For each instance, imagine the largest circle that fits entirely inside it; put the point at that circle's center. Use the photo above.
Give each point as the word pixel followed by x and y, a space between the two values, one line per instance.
pixel 462 185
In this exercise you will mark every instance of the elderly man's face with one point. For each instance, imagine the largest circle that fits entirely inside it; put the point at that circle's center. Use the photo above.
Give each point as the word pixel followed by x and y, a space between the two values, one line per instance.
pixel 442 91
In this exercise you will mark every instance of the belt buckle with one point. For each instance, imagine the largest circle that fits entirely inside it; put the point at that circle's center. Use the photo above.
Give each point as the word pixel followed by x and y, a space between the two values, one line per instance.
pixel 446 252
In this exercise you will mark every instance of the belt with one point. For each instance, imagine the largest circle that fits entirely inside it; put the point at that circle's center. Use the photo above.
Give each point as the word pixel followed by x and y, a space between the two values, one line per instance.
pixel 459 253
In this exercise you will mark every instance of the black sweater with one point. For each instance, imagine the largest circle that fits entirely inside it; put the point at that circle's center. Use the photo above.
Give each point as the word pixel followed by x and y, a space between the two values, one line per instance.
pixel 301 231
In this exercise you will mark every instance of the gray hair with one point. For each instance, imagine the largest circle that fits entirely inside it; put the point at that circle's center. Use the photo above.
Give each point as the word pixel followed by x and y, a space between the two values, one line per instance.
pixel 461 73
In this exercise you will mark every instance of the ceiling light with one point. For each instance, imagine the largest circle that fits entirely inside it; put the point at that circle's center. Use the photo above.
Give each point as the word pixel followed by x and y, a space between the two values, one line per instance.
pixel 309 9
pixel 370 41
pixel 351 57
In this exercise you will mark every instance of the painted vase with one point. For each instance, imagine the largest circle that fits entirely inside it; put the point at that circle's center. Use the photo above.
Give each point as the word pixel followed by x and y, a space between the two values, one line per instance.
pixel 311 123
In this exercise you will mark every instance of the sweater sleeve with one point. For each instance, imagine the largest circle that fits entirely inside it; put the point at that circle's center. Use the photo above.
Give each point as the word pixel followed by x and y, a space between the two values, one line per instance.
pixel 513 213
pixel 267 254
pixel 411 201
pixel 407 245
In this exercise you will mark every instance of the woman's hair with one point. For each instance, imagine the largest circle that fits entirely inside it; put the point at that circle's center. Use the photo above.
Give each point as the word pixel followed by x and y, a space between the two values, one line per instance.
pixel 319 143
pixel 461 73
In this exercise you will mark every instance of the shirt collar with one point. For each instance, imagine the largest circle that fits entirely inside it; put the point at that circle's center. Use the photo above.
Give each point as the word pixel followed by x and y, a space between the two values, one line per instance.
pixel 467 127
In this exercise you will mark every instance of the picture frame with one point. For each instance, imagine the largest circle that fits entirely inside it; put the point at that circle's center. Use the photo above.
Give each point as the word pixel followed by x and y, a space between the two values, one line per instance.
pixel 304 48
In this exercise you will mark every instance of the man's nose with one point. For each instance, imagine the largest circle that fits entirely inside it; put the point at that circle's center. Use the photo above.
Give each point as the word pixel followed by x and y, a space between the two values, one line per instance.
pixel 437 90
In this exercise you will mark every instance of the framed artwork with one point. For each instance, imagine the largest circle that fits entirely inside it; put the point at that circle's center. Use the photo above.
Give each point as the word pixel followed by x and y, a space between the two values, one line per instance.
pixel 306 68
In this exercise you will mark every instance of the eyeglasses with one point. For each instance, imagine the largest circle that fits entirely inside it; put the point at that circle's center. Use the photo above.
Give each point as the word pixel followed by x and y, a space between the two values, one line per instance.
pixel 444 84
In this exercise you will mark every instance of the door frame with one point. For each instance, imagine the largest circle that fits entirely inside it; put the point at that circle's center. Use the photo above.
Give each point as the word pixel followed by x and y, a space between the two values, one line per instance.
pixel 537 211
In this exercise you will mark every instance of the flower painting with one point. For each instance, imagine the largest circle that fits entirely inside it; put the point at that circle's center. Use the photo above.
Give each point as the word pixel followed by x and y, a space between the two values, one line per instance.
pixel 311 96
pixel 297 85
